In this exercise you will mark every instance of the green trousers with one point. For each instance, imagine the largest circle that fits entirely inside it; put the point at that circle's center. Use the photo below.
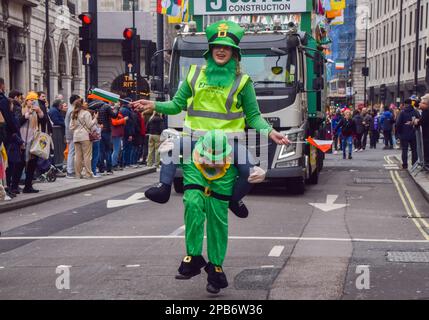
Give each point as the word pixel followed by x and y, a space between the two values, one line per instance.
pixel 198 209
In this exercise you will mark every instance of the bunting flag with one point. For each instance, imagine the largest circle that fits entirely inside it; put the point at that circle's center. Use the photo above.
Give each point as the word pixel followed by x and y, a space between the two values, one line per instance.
pixel 331 14
pixel 104 95
pixel 338 4
pixel 339 66
pixel 179 13
pixel 322 145
pixel 169 7
pixel 338 20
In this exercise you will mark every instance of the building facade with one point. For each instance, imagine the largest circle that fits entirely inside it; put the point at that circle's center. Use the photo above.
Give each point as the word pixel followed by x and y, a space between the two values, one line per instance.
pixel 24 45
pixel 383 48
pixel 343 51
pixel 113 17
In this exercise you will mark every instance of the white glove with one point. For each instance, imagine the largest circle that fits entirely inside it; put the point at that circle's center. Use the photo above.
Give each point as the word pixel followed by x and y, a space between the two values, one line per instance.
pixel 166 146
pixel 257 175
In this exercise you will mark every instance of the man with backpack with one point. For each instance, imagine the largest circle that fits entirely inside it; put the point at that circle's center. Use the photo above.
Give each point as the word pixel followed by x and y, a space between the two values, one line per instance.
pixel 386 123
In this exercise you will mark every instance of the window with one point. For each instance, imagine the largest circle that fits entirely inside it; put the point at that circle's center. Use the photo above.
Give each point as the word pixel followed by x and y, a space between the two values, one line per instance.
pixel 427 14
pixel 384 36
pixel 127 5
pixel 405 24
pixel 391 35
pixel 391 64
pixel 409 60
pixel 420 57
pixel 411 22
pixel 421 17
pixel 37 50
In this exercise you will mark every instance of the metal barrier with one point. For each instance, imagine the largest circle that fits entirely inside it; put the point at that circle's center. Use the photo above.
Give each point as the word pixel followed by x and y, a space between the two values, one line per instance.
pixel 59 144
pixel 420 164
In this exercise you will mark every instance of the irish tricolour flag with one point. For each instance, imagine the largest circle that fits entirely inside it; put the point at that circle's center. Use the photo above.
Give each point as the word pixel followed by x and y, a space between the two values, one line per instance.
pixel 103 95
pixel 322 145
pixel 339 66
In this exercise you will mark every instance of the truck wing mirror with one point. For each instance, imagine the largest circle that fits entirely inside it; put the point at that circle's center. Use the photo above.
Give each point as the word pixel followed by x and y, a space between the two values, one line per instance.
pixel 318 84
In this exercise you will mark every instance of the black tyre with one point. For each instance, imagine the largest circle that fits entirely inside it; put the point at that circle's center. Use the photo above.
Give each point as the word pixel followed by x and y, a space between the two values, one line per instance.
pixel 314 177
pixel 296 186
pixel 51 177
pixel 178 185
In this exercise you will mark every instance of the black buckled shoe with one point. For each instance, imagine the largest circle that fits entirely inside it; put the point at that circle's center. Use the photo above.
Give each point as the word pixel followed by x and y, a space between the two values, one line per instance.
pixel 239 208
pixel 159 194
pixel 216 278
pixel 190 267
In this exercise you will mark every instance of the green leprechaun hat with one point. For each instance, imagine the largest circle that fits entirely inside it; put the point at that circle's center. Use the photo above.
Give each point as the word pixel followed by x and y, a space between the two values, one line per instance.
pixel 214 145
pixel 224 33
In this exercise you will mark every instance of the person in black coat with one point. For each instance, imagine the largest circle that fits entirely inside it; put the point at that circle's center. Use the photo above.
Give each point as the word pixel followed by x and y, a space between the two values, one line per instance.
pixel 11 137
pixel 407 133
pixel 358 120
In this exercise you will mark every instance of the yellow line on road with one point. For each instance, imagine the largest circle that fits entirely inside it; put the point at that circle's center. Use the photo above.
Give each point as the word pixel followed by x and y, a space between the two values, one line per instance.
pixel 413 205
pixel 425 235
pixel 410 199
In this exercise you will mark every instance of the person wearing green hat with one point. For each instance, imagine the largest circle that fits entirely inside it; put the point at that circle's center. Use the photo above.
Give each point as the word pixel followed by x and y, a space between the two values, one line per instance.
pixel 215 96
pixel 209 180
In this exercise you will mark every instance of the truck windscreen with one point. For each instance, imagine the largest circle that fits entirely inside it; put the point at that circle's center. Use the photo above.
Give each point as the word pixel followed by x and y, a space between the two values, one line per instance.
pixel 266 68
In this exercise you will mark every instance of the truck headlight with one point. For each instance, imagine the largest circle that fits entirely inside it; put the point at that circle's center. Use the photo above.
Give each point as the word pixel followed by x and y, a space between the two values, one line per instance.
pixel 289 150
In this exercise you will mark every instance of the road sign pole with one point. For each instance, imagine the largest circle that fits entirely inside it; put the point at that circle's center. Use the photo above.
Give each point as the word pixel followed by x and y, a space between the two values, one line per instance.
pixel 92 6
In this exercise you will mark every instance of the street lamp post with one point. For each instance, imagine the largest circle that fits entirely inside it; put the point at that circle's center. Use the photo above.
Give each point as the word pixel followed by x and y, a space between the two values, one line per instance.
pixel 47 51
pixel 398 89
pixel 366 62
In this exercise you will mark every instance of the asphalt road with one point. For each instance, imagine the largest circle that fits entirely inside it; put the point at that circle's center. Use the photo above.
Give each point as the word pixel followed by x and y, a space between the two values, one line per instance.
pixel 286 249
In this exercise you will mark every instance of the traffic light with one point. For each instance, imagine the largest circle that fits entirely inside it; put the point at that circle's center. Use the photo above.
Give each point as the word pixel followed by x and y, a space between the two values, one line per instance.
pixel 87 33
pixel 365 72
pixel 131 46
pixel 383 91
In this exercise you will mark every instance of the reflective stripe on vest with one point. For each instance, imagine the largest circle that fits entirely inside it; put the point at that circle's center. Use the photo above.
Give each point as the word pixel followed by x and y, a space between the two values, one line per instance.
pixel 215 111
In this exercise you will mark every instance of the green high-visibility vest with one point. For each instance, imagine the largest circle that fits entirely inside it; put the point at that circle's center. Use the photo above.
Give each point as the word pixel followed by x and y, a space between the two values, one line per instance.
pixel 212 107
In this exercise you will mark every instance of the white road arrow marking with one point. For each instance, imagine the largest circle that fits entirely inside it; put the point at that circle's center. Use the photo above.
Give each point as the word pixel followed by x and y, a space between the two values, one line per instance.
pixel 134 199
pixel 329 205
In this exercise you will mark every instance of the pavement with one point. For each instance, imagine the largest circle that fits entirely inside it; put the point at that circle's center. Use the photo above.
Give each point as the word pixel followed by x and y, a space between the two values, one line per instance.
pixel 370 242
pixel 63 187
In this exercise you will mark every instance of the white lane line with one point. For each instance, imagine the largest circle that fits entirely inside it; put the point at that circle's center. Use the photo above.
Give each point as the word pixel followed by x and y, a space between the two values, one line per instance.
pixel 178 231
pixel 276 251
pixel 230 238
pixel 132 265
pixel 267 267
pixel 1 267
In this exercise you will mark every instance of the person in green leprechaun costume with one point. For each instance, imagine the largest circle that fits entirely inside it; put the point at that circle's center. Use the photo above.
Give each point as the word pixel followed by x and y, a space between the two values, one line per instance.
pixel 217 96
pixel 209 180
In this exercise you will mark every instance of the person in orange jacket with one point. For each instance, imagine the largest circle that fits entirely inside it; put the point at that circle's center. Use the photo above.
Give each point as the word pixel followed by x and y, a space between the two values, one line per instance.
pixel 118 125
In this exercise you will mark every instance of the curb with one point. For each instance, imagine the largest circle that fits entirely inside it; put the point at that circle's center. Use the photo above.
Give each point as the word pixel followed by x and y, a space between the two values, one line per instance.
pixel 422 190
pixel 13 205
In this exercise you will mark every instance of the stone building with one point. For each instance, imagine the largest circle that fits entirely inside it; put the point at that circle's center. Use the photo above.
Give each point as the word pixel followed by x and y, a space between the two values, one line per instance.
pixel 383 43
pixel 23 44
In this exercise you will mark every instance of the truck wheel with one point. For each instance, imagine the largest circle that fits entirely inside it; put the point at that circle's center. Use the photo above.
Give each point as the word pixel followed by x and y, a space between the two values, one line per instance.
pixel 178 185
pixel 314 177
pixel 296 185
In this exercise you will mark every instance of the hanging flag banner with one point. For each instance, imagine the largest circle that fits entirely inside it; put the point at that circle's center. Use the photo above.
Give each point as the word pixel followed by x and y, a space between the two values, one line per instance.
pixel 338 4
pixel 239 7
pixel 322 145
pixel 339 66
